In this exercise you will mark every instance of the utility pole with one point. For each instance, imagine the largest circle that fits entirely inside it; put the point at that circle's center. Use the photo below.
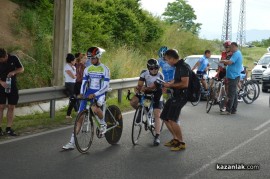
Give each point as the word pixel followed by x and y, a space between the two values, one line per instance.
pixel 227 22
pixel 62 38
pixel 241 33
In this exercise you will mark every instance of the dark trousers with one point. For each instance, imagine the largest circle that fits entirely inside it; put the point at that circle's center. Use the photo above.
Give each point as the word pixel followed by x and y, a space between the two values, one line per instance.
pixel 232 95
pixel 72 102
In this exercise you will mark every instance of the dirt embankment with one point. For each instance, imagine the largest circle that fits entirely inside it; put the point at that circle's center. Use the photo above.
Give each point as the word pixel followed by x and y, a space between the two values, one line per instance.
pixel 8 19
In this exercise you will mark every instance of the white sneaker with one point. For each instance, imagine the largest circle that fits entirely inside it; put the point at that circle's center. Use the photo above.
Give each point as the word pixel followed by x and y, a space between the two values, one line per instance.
pixel 69 146
pixel 240 100
pixel 223 109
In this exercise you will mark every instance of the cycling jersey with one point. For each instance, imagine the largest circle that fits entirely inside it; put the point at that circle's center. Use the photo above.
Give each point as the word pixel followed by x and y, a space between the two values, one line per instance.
pixel 167 70
pixel 95 81
pixel 150 79
pixel 203 64
pixel 98 78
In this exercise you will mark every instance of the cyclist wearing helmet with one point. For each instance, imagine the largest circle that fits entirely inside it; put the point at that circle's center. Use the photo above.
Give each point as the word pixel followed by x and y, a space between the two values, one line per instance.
pixel 203 66
pixel 167 70
pixel 95 83
pixel 147 84
pixel 225 55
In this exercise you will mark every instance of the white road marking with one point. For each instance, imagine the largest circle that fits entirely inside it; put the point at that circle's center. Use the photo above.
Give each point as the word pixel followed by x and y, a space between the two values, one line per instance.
pixel 225 154
pixel 46 132
pixel 262 125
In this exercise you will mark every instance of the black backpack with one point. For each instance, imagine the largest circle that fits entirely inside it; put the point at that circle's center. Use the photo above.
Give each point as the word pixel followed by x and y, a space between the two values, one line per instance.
pixel 194 86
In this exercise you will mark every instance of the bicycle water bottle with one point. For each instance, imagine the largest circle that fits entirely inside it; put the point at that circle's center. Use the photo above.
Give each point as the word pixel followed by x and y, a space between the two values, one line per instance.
pixel 8 81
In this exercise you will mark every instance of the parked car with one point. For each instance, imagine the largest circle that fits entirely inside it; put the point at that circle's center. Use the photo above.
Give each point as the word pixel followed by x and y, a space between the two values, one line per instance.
pixel 266 79
pixel 213 60
pixel 257 71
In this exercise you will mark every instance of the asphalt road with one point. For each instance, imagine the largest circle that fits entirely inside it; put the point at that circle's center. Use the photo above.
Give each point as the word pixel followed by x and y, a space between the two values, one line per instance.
pixel 211 139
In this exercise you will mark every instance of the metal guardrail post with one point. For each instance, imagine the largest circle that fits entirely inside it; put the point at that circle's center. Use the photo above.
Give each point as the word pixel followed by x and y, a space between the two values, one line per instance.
pixel 52 109
pixel 119 95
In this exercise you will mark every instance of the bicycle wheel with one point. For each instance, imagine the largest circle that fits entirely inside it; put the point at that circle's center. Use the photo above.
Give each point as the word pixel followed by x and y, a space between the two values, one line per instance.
pixel 210 99
pixel 113 136
pixel 195 103
pixel 152 128
pixel 83 131
pixel 257 88
pixel 222 99
pixel 137 127
pixel 249 93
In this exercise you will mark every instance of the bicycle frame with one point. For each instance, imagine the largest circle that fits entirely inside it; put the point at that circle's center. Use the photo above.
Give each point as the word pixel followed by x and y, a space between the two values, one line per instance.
pixel 95 117
pixel 141 101
pixel 221 86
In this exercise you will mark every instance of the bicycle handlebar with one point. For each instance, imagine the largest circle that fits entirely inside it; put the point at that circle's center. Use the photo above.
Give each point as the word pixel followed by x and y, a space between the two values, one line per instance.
pixel 139 94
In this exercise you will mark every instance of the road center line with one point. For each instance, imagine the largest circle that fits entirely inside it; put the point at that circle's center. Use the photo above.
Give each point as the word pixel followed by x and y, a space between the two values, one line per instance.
pixel 226 154
pixel 262 125
pixel 46 132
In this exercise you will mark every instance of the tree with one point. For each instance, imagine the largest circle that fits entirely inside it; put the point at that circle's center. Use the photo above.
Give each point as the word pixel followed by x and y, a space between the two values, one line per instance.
pixel 182 13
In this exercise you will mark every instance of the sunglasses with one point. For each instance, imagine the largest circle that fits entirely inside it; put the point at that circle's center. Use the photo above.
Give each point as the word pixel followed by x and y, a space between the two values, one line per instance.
pixel 93 58
pixel 155 68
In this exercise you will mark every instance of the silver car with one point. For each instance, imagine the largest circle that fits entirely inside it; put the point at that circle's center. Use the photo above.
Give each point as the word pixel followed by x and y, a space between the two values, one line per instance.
pixel 257 71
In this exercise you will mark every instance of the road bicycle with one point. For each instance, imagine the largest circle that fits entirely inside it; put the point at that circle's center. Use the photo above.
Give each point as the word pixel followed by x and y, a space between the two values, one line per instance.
pixel 86 121
pixel 250 91
pixel 217 95
pixel 144 117
pixel 203 93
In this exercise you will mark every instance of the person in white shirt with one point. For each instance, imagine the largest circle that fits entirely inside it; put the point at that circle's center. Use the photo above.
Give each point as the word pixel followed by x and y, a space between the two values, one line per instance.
pixel 70 79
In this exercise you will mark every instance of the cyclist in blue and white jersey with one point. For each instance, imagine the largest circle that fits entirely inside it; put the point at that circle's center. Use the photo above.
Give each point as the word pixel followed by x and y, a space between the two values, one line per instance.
pixel 95 84
pixel 167 70
pixel 203 66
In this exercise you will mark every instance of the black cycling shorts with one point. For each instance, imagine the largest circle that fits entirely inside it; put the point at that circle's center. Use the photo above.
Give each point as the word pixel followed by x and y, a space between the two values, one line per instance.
pixel 12 97
pixel 172 109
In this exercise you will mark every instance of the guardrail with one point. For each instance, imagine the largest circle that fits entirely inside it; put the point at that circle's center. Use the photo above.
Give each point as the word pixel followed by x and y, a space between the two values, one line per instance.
pixel 57 92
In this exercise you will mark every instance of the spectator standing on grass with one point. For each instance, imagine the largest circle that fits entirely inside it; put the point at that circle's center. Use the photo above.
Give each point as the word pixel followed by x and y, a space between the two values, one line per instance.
pixel 80 66
pixel 70 79
pixel 10 66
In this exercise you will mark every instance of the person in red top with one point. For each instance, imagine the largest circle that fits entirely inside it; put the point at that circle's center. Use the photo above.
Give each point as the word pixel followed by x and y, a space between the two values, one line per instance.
pixel 221 73
pixel 225 55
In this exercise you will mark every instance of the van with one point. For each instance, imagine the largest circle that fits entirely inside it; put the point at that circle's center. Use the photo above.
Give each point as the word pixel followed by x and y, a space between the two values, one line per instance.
pixel 261 66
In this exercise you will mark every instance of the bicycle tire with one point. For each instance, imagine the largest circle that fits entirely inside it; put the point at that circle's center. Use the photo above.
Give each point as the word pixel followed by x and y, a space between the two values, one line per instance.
pixel 195 103
pixel 113 136
pixel 83 131
pixel 248 88
pixel 136 126
pixel 257 87
pixel 210 100
pixel 222 102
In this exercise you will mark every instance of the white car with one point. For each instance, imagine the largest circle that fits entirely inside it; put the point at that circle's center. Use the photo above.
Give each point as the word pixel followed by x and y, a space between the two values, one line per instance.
pixel 213 61
pixel 261 65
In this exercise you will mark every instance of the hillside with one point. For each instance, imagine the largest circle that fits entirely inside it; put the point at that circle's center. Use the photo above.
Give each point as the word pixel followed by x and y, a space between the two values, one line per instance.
pixel 8 20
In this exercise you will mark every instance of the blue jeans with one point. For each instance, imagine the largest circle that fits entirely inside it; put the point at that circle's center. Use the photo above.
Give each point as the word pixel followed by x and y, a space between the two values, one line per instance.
pixel 232 95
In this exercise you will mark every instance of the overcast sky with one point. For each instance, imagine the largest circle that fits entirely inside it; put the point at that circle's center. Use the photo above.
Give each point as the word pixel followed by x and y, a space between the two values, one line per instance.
pixel 210 14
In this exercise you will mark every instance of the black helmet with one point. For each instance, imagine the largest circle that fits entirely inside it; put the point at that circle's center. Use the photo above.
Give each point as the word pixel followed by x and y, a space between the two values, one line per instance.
pixel 152 63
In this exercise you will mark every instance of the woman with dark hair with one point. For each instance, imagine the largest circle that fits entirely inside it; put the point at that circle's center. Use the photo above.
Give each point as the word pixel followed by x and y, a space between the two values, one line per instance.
pixel 70 79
